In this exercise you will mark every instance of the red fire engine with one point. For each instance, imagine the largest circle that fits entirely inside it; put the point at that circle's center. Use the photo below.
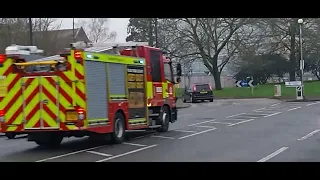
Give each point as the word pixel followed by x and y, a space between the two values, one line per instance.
pixel 88 91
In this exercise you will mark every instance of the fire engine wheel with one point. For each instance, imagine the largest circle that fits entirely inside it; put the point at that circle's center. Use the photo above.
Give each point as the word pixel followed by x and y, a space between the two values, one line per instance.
pixel 10 135
pixel 165 119
pixel 52 142
pixel 118 134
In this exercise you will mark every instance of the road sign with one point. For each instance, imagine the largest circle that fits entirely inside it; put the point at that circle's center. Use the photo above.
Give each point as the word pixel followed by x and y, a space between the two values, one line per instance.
pixel 238 83
pixel 250 83
pixel 243 83
pixel 299 94
pixel 293 83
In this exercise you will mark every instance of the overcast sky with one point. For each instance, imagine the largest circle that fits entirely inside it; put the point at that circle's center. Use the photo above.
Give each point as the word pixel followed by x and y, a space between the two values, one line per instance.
pixel 115 24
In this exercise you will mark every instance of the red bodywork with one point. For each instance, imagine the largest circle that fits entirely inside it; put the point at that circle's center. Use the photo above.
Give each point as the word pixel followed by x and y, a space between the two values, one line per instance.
pixel 157 100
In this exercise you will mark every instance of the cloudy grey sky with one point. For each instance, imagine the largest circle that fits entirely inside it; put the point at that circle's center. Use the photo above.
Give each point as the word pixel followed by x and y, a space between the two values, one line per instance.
pixel 115 24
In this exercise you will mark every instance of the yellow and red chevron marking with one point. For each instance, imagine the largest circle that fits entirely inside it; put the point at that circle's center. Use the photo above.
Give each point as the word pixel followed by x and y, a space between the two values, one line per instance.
pixel 11 103
pixel 68 96
pixel 33 96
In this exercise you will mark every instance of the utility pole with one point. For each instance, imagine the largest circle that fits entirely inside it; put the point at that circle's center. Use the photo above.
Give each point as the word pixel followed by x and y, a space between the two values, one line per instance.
pixel 300 22
pixel 150 43
pixel 30 31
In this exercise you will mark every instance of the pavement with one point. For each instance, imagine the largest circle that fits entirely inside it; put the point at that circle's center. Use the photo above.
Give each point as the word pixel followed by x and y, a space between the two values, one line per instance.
pixel 239 130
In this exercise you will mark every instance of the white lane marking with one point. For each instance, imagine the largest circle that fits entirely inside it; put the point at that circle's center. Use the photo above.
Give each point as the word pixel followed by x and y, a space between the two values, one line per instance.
pixel 275 104
pixel 259 109
pixel 308 135
pixel 236 119
pixel 241 122
pixel 206 126
pixel 184 131
pixel 99 153
pixel 234 115
pixel 272 114
pixel 147 135
pixel 183 137
pixel 163 137
pixel 250 117
pixel 294 108
pixel 220 122
pixel 202 122
pixel 184 115
pixel 255 114
pixel 273 154
pixel 295 102
pixel 127 153
pixel 277 107
pixel 313 103
pixel 72 153
pixel 266 110
pixel 133 144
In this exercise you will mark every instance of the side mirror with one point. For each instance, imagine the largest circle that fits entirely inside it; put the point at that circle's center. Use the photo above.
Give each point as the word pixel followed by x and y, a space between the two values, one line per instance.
pixel 179 69
pixel 178 80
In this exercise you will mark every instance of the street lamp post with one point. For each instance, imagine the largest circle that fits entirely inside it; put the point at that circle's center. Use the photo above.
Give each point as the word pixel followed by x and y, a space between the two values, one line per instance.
pixel 73 35
pixel 300 22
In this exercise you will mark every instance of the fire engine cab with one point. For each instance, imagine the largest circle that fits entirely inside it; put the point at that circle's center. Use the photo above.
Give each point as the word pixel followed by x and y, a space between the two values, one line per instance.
pixel 97 91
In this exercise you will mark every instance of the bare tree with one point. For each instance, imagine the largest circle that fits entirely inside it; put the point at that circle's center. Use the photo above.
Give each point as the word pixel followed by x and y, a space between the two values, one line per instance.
pixel 97 29
pixel 213 38
pixel 45 36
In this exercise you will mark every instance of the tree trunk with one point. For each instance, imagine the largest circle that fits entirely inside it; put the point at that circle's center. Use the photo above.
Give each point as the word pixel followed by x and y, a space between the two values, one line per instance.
pixel 216 76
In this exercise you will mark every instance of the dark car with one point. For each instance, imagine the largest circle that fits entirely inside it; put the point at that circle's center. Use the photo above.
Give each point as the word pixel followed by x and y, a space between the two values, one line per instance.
pixel 198 92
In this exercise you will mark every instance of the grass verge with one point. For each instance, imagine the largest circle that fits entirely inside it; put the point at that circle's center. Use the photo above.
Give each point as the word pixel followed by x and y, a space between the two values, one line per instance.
pixel 311 89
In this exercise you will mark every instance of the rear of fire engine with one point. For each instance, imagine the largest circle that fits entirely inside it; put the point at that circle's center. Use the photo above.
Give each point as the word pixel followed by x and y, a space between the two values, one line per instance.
pixel 86 92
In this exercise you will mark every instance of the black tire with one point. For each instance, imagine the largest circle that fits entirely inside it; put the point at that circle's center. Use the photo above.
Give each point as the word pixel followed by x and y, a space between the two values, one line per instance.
pixel 165 119
pixel 53 142
pixel 11 135
pixel 202 100
pixel 211 100
pixel 183 99
pixel 118 134
pixel 192 99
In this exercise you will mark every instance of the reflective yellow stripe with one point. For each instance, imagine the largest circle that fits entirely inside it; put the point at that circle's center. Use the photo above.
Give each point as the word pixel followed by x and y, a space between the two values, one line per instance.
pixel 165 90
pixel 137 120
pixel 149 90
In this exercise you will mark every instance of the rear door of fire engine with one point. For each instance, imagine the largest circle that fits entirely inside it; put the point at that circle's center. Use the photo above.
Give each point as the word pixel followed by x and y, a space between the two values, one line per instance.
pixel 40 96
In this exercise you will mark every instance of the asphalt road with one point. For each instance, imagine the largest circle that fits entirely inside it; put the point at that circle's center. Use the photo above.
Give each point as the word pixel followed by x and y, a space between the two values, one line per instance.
pixel 259 130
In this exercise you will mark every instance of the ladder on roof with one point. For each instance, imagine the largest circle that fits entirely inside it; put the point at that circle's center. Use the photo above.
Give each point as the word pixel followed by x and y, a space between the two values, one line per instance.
pixel 110 48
